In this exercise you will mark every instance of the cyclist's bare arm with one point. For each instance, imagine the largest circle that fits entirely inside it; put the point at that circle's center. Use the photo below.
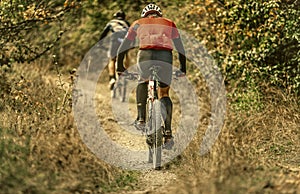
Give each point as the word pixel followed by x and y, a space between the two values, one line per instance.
pixel 181 53
pixel 104 32
pixel 121 54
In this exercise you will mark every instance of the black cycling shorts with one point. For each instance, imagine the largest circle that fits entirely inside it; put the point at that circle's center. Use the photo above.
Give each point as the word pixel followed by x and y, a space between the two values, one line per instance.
pixel 162 58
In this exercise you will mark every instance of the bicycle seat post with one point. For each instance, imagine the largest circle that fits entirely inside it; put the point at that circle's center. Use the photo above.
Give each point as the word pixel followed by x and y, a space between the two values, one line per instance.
pixel 155 78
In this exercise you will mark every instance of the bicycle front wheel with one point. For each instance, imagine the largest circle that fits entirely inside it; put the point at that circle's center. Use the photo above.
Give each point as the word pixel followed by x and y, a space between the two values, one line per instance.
pixel 155 121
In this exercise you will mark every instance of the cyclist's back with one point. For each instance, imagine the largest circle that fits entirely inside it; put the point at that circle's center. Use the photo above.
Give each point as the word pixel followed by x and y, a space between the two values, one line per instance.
pixel 154 33
pixel 118 28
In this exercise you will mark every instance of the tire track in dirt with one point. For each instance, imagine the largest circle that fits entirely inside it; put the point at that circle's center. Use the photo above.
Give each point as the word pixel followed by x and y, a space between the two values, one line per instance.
pixel 120 129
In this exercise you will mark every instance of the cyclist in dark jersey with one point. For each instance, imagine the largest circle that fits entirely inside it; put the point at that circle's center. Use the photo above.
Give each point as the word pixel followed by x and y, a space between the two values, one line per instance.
pixel 156 36
pixel 118 28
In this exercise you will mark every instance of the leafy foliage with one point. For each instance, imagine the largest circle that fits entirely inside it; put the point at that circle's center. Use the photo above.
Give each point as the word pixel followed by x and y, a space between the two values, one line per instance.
pixel 256 40
pixel 24 28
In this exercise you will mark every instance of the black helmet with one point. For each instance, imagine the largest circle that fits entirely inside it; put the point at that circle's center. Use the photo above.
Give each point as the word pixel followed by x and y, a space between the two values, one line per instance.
pixel 119 14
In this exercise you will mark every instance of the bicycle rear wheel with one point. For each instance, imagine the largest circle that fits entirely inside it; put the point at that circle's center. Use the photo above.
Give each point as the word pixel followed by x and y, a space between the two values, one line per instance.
pixel 123 90
pixel 119 90
pixel 155 136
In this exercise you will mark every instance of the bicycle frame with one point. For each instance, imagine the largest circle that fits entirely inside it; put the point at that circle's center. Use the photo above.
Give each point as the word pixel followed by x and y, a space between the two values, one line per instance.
pixel 152 85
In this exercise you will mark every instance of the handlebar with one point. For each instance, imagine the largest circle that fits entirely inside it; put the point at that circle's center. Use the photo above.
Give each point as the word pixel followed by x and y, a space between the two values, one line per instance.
pixel 130 75
pixel 135 75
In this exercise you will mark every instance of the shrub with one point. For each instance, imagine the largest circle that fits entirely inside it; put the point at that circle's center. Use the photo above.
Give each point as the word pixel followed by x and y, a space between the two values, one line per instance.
pixel 256 40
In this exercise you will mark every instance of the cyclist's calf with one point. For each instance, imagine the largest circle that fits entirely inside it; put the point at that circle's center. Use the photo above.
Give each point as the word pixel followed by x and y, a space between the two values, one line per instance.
pixel 163 92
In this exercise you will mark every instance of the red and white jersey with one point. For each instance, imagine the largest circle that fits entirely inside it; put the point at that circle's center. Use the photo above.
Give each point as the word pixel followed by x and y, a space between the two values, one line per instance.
pixel 154 33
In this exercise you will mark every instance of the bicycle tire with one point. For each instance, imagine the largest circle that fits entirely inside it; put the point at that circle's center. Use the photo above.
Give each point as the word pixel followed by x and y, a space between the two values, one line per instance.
pixel 123 90
pixel 155 124
pixel 119 91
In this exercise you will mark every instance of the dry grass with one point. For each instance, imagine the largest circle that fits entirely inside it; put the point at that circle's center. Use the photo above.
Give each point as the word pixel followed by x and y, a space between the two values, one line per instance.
pixel 41 150
pixel 257 152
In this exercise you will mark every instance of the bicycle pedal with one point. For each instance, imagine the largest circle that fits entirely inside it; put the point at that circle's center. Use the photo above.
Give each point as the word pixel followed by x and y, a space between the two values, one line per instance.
pixel 149 141
pixel 140 126
pixel 169 143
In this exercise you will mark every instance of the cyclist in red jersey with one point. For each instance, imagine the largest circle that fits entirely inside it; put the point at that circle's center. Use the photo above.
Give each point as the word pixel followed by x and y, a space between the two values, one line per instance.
pixel 156 36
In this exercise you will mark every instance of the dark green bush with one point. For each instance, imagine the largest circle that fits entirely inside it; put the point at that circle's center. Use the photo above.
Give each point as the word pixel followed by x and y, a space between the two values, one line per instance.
pixel 257 40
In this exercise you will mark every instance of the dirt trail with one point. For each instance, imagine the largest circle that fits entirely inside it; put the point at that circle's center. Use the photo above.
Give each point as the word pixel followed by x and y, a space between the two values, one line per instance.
pixel 119 127
pixel 116 118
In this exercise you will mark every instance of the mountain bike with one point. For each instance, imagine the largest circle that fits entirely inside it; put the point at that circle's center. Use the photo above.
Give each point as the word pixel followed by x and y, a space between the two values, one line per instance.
pixel 154 128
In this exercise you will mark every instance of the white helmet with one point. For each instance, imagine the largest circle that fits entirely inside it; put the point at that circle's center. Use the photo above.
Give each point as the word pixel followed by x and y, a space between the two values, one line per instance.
pixel 151 8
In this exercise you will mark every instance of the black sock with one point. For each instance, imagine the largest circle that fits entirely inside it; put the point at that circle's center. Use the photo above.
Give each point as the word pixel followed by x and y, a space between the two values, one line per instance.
pixel 168 106
pixel 141 100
